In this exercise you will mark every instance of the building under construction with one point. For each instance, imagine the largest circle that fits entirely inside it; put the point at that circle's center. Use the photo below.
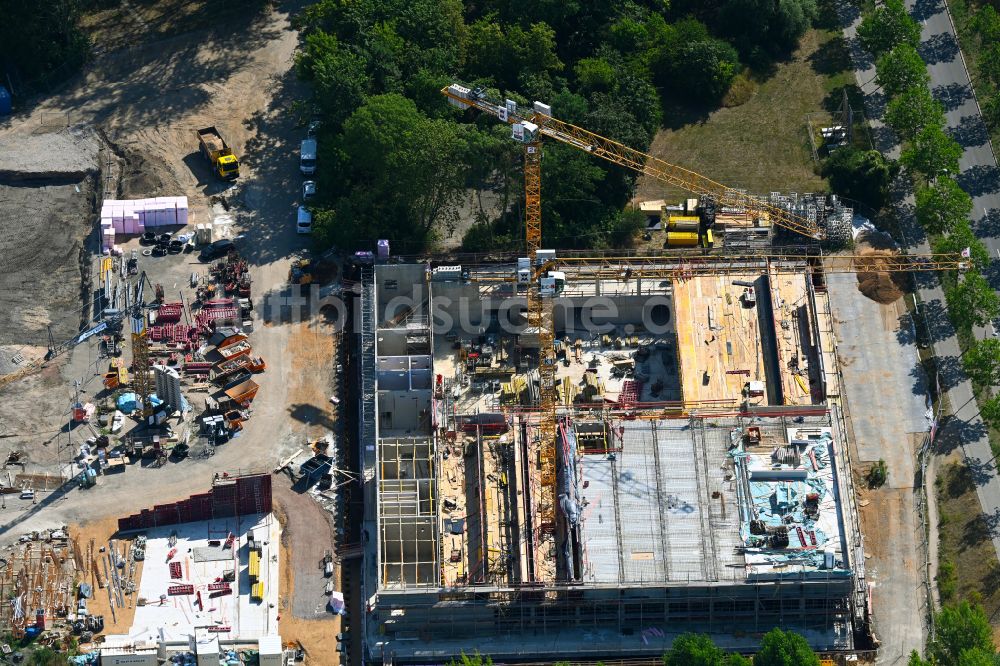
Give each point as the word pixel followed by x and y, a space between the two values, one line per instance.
pixel 701 479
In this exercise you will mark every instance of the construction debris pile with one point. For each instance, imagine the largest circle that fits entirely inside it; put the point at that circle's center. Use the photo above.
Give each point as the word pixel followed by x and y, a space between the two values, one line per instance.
pixel 878 284
pixel 788 502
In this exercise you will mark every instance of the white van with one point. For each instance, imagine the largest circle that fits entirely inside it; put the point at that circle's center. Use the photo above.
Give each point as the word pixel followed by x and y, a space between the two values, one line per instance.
pixel 304 221
pixel 307 157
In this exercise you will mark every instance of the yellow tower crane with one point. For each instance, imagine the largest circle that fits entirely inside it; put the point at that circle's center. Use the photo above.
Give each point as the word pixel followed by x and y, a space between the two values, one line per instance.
pixel 531 125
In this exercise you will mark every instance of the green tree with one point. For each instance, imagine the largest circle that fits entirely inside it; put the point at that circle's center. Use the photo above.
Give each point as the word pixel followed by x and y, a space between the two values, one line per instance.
pixel 981 362
pixel 958 629
pixel 625 226
pixel 989 63
pixel 887 26
pixel 764 29
pixel 594 75
pixel 507 54
pixel 699 650
pixel 941 205
pixel 972 302
pixel 962 238
pixel 915 660
pixel 991 108
pixel 912 110
pixel 986 23
pixel 900 69
pixel 989 410
pixel 706 68
pixel 338 75
pixel 863 175
pixel 403 173
pixel 781 648
pixel 932 153
pixel 472 660
pixel 42 41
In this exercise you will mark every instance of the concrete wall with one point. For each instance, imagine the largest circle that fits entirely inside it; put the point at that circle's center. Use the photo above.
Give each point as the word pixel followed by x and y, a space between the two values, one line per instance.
pixel 459 307
pixel 403 410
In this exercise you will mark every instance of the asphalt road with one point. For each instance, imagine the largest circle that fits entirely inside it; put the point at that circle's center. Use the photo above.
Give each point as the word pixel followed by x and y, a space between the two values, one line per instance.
pixel 981 179
pixel 978 175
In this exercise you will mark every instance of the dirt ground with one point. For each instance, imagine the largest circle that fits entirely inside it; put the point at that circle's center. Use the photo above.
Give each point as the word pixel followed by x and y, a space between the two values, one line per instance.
pixel 47 194
pixel 145 101
pixel 101 531
pixel 304 611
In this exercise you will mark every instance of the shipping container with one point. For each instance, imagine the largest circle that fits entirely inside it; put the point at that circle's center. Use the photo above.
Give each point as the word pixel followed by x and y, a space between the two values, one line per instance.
pixel 682 238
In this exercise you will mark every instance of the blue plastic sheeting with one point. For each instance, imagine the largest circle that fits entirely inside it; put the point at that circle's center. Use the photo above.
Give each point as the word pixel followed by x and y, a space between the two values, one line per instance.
pixel 128 402
pixel 779 502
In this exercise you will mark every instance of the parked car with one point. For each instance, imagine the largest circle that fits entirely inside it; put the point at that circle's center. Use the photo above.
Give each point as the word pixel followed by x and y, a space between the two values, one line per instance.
pixel 307 157
pixel 304 220
pixel 219 248
pixel 308 189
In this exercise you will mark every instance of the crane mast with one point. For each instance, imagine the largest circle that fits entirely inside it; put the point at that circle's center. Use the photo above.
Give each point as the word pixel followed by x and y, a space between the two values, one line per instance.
pixel 540 320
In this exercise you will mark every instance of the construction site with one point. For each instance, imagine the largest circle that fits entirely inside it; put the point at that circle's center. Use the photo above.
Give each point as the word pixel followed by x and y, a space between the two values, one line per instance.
pixel 700 481
pixel 578 456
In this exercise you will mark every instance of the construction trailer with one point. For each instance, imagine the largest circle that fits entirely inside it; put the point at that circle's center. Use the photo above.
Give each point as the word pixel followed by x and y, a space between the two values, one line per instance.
pixel 668 517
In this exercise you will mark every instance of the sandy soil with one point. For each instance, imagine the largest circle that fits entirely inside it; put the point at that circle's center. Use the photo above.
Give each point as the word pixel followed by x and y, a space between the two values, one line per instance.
pixel 101 530
pixel 304 613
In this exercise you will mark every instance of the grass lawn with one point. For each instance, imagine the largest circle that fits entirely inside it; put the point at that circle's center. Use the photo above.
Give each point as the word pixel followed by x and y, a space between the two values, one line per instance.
pixel 763 144
pixel 968 567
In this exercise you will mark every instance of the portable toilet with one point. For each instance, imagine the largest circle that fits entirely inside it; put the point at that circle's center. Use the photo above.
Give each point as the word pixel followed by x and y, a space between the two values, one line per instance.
pixel 6 103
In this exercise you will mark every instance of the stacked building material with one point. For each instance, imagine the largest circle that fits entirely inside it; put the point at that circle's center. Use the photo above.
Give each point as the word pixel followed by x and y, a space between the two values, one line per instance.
pixel 135 216
pixel 169 313
pixel 170 333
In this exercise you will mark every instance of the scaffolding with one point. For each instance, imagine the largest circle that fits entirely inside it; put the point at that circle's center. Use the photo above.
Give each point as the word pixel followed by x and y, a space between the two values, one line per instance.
pixel 37 581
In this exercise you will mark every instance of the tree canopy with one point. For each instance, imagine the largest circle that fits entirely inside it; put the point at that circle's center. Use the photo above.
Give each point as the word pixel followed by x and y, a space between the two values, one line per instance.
pixel 981 362
pixel 699 650
pixel 888 26
pixel 941 205
pixel 912 110
pixel 972 302
pixel 900 69
pixel 396 164
pixel 764 29
pixel 962 636
pixel 863 175
pixel 960 238
pixel 931 153
pixel 609 67
pixel 41 41
pixel 784 648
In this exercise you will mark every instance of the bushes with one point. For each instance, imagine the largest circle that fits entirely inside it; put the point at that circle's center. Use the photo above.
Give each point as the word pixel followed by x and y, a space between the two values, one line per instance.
pixel 863 175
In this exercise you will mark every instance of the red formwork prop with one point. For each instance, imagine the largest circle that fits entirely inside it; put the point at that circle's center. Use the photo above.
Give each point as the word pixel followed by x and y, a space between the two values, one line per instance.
pixel 229 497
pixel 174 590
